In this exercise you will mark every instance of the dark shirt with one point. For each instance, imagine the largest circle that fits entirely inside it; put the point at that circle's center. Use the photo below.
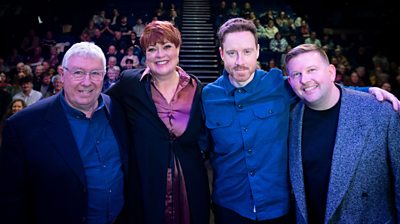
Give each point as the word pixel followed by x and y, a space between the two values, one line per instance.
pixel 318 141
pixel 101 161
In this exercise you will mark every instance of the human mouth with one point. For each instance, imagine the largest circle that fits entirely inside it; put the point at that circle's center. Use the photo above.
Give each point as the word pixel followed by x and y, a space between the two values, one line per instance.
pixel 309 88
pixel 85 91
pixel 161 62
pixel 240 68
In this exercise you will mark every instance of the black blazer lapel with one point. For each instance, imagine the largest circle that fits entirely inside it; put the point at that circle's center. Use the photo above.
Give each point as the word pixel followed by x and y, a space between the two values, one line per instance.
pixel 59 134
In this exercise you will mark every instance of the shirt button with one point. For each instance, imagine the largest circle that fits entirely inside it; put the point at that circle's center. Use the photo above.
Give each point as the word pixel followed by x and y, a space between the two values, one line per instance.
pixel 250 151
pixel 240 106
pixel 240 90
pixel 270 111
pixel 252 173
pixel 245 129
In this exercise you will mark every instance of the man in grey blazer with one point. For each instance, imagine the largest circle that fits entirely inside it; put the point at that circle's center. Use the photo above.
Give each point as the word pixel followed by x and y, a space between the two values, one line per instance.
pixel 344 147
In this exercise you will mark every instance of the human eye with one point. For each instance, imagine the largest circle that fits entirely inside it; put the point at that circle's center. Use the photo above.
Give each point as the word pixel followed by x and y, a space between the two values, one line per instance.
pixel 295 75
pixel 95 73
pixel 231 53
pixel 151 49
pixel 78 73
pixel 312 70
pixel 247 51
pixel 168 46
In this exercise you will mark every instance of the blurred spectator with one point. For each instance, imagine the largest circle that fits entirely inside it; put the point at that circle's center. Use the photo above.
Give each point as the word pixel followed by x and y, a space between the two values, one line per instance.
pixel 386 86
pixel 312 39
pixel 30 42
pixel 57 86
pixel 12 108
pixel 130 55
pixel 112 77
pixel 115 17
pixel 48 41
pixel 3 67
pixel 28 94
pixel 138 27
pixel 271 29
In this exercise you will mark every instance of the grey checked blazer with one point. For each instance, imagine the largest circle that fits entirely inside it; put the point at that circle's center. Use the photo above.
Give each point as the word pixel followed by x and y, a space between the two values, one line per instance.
pixel 364 185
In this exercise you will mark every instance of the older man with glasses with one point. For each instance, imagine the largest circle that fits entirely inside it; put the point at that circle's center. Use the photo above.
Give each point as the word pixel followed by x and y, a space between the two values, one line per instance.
pixel 69 167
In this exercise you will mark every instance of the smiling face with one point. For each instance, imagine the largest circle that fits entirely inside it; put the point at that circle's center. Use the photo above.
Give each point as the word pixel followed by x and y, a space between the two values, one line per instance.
pixel 82 94
pixel 240 53
pixel 162 58
pixel 16 106
pixel 312 79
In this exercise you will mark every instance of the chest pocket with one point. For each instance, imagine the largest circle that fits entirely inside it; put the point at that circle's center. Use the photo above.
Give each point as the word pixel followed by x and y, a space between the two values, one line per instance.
pixel 217 119
pixel 269 109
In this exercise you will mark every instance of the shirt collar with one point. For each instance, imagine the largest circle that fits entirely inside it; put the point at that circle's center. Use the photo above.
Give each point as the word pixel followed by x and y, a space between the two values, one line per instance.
pixel 184 78
pixel 248 88
pixel 76 113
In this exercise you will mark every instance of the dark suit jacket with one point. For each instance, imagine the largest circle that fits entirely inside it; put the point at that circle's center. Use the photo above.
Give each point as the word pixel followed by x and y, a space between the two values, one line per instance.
pixel 41 172
pixel 152 150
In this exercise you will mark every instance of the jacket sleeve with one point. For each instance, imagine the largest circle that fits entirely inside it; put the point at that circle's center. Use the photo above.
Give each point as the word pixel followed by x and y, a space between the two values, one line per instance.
pixel 13 187
pixel 394 157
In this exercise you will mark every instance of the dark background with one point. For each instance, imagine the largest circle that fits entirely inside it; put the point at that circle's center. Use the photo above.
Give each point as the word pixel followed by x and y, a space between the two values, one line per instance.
pixel 379 21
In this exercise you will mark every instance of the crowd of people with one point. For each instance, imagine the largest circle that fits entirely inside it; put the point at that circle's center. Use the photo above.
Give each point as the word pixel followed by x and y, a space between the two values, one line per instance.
pixel 117 34
pixel 287 144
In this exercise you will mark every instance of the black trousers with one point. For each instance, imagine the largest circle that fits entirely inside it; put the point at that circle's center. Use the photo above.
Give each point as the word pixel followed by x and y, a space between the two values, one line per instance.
pixel 226 216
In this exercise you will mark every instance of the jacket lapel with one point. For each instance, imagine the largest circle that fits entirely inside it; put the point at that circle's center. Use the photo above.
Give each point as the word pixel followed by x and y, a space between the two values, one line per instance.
pixel 59 134
pixel 348 148
pixel 295 159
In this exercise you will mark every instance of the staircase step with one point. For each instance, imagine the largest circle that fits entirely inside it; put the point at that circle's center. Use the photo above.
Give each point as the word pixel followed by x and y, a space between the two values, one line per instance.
pixel 198 60
pixel 197 28
pixel 197 24
pixel 198 51
pixel 185 46
pixel 215 72
pixel 189 16
pixel 199 43
pixel 198 56
pixel 198 38
pixel 198 31
pixel 199 65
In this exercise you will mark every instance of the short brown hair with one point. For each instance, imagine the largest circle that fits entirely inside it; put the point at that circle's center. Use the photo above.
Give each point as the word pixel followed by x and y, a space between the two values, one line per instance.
pixel 159 32
pixel 304 48
pixel 236 25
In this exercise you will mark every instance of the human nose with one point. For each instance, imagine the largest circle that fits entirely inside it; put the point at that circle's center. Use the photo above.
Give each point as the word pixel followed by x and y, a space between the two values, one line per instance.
pixel 239 59
pixel 305 77
pixel 160 52
pixel 86 79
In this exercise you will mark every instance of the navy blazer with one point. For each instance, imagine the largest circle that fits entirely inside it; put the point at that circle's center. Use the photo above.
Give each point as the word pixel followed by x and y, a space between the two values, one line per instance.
pixel 41 172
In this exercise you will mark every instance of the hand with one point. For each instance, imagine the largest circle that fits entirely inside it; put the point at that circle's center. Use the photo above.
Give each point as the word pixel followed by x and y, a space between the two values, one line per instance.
pixel 382 94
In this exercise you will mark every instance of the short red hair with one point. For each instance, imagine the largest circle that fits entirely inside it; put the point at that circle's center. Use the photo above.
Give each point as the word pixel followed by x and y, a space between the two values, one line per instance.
pixel 160 32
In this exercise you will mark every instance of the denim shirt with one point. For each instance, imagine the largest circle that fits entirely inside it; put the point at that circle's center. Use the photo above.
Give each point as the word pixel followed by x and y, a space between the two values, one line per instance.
pixel 249 127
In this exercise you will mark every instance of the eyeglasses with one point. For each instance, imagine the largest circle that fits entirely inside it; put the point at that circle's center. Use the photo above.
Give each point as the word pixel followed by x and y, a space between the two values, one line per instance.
pixel 79 74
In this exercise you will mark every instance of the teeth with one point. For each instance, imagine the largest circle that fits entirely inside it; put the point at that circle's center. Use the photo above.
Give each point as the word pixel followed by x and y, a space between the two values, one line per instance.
pixel 161 62
pixel 85 91
pixel 309 88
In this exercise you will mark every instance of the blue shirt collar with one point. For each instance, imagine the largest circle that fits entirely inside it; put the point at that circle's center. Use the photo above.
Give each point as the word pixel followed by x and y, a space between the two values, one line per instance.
pixel 74 112
pixel 250 87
